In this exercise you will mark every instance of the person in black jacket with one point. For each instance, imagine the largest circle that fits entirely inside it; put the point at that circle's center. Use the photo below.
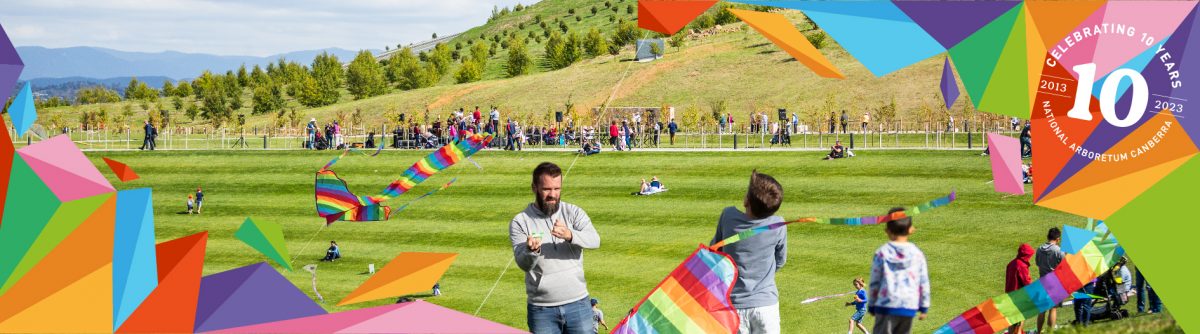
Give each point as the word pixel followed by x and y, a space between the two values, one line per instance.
pixel 147 139
pixel 1026 141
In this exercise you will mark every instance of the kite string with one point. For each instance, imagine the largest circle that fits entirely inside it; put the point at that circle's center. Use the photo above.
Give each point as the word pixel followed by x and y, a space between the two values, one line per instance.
pixel 309 242
pixel 489 294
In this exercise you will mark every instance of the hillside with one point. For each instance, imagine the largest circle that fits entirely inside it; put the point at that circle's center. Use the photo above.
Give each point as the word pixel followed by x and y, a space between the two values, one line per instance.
pixel 104 65
pixel 732 64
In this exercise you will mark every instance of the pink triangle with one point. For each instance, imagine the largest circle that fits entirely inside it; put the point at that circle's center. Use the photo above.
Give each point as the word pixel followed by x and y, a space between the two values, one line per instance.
pixel 64 169
pixel 423 317
pixel 1156 19
pixel 1006 163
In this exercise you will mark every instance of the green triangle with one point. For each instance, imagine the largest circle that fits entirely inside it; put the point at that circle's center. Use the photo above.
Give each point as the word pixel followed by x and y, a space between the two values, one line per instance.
pixel 1008 91
pixel 1156 229
pixel 266 238
pixel 976 56
pixel 30 205
pixel 66 219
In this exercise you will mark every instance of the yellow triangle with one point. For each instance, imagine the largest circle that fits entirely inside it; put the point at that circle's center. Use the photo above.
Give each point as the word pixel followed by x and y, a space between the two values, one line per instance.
pixel 1103 199
pixel 82 307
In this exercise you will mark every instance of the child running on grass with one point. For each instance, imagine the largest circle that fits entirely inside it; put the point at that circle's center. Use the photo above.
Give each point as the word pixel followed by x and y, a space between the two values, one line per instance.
pixel 899 287
pixel 860 307
pixel 754 293
pixel 190 204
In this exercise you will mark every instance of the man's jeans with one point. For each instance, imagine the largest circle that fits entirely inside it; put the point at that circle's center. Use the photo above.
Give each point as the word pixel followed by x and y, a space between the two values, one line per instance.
pixel 571 318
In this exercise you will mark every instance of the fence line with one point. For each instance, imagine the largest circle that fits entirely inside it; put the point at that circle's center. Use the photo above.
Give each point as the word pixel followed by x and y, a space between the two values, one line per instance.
pixel 921 135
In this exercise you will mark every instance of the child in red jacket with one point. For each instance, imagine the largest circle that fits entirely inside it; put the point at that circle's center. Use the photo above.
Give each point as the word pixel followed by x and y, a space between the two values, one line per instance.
pixel 1017 277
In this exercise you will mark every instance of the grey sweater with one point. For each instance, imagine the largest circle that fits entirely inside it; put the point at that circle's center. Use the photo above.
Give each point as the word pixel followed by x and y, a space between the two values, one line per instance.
pixel 757 258
pixel 553 274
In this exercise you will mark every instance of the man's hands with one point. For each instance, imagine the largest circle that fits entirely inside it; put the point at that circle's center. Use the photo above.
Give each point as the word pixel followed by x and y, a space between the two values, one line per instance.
pixel 921 316
pixel 561 231
pixel 534 242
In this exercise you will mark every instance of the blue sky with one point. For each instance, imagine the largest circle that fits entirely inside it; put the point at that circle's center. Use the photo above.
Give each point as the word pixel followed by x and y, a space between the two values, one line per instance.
pixel 225 27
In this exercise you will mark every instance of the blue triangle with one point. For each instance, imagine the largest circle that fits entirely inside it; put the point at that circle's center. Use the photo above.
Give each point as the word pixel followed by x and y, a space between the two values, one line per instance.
pixel 1075 238
pixel 22 111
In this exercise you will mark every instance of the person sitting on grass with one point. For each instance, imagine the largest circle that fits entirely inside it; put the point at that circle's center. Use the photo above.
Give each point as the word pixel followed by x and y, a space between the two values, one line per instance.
pixel 860 307
pixel 653 187
pixel 754 293
pixel 837 151
pixel 333 253
pixel 589 148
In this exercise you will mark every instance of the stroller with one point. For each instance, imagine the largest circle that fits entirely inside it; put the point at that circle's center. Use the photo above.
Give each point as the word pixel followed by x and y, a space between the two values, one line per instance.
pixel 322 143
pixel 1109 305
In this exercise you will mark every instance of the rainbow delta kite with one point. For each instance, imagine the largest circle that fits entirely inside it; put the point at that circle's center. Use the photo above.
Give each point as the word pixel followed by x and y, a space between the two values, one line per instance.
pixel 336 202
pixel 694 298
pixel 1084 261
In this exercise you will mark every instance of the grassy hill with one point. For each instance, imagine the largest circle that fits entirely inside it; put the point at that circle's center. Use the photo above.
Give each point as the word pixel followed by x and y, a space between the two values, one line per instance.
pixel 733 64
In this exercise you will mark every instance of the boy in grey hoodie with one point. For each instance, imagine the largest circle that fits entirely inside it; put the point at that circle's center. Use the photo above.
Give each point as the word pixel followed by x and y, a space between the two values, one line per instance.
pixel 548 239
pixel 1049 255
pixel 754 294
pixel 899 287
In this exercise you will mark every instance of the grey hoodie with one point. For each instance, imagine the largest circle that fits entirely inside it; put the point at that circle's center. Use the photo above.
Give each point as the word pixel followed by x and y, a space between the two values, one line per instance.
pixel 1048 257
pixel 554 274
pixel 757 258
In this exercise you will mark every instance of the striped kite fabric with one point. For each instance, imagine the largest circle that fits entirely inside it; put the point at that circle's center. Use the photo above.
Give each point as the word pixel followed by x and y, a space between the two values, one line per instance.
pixel 335 201
pixel 694 298
pixel 1075 271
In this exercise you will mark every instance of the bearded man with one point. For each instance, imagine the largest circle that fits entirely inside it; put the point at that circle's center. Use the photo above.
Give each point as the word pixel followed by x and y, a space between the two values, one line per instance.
pixel 548 239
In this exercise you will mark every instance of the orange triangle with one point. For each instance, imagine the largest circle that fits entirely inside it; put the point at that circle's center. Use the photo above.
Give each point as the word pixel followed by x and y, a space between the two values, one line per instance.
pixel 405 274
pixel 84 306
pixel 647 20
pixel 1056 19
pixel 1102 200
pixel 171 307
pixel 122 170
pixel 780 31
pixel 83 251
pixel 673 15
pixel 1175 143
pixel 1052 146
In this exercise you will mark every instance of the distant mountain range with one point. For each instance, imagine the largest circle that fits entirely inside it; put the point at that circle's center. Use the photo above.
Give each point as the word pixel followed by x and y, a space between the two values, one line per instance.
pixel 100 64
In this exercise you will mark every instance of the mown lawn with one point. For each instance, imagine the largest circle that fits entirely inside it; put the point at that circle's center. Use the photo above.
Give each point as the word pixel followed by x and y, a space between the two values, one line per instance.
pixel 968 243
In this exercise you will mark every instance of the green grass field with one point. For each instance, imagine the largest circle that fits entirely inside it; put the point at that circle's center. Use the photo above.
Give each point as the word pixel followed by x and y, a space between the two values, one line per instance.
pixel 967 243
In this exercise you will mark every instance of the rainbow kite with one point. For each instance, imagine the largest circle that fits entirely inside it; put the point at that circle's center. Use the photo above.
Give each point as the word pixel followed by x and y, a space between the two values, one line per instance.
pixel 336 202
pixel 694 298
pixel 1080 265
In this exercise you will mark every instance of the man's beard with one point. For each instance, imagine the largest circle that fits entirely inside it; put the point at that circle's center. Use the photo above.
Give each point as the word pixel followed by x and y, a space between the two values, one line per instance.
pixel 548 208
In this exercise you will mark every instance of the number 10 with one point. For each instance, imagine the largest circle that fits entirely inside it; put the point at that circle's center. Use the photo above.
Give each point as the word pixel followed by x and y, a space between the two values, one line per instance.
pixel 1108 95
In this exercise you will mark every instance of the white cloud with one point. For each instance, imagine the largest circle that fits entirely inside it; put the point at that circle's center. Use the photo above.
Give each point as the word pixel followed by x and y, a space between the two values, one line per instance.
pixel 226 27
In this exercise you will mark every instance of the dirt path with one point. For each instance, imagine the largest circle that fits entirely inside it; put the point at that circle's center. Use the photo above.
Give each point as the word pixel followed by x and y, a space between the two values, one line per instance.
pixel 452 95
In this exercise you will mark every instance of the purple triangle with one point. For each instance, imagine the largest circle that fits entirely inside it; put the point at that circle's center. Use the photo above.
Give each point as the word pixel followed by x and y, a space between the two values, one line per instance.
pixel 950 22
pixel 10 66
pixel 250 295
pixel 949 84
pixel 1158 81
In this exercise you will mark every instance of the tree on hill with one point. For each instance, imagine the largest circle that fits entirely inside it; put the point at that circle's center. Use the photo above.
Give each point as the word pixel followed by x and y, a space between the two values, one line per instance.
pixel 519 59
pixel 404 70
pixel 328 75
pixel 168 89
pixel 138 90
pixel 441 58
pixel 183 89
pixel 470 71
pixel 594 44
pixel 365 77
pixel 268 97
pixel 243 77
